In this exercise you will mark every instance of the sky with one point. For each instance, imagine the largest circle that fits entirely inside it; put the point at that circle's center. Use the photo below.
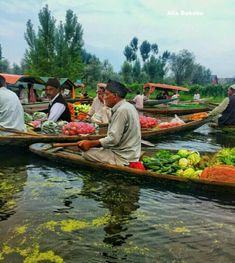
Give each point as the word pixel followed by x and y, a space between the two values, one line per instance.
pixel 203 27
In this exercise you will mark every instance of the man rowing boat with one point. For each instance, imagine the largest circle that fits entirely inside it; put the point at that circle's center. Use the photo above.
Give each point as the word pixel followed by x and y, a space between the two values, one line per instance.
pixel 122 144
pixel 225 112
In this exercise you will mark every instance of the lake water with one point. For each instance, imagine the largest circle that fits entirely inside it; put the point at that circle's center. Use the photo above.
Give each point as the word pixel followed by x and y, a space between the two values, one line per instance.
pixel 54 213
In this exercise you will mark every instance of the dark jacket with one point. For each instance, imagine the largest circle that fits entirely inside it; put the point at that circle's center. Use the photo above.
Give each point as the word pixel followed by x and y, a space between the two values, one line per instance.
pixel 65 116
pixel 228 115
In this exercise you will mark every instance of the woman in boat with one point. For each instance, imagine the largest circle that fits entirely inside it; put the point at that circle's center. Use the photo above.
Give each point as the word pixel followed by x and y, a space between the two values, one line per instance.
pixel 11 110
pixel 122 144
pixel 99 111
pixel 58 107
pixel 226 109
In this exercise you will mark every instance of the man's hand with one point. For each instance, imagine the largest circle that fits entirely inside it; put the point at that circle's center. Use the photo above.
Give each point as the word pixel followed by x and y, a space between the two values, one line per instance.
pixel 85 145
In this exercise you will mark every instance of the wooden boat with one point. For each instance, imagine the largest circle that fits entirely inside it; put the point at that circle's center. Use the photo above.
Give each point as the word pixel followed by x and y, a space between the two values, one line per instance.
pixel 71 156
pixel 188 126
pixel 149 103
pixel 179 109
pixel 25 139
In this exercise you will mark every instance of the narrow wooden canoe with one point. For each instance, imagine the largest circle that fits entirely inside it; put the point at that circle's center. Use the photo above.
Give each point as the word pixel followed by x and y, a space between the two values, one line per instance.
pixel 71 156
pixel 188 126
pixel 171 110
pixel 27 139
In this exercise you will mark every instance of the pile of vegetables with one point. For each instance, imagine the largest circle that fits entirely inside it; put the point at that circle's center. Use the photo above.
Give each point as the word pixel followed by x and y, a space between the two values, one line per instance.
pixel 184 163
pixel 76 128
pixel 198 116
pixel 50 127
pixel 78 111
pixel 148 122
pixel 27 118
pixel 39 116
pixel 190 164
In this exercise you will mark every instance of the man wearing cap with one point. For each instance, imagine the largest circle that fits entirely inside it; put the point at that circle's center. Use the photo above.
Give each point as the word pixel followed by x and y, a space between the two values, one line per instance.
pixel 100 113
pixel 226 109
pixel 58 107
pixel 122 144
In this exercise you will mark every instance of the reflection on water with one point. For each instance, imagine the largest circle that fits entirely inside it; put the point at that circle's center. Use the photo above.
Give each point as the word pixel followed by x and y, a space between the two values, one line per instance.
pixel 57 213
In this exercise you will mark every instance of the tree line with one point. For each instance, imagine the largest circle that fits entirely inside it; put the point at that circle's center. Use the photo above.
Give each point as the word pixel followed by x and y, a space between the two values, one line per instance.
pixel 57 49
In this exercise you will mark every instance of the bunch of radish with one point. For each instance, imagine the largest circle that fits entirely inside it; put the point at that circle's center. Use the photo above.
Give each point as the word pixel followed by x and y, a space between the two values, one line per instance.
pixel 148 122
pixel 76 128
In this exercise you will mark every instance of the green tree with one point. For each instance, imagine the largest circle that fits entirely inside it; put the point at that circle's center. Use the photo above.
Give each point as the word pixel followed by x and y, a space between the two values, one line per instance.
pixel 126 72
pixel 129 54
pixel 54 51
pixel 201 75
pixel 134 44
pixel 182 65
pixel 16 69
pixel 4 63
pixel 136 70
pixel 145 49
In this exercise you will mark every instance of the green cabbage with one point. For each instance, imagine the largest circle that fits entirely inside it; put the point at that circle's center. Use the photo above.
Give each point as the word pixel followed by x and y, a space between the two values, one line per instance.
pixel 183 163
pixel 189 173
pixel 183 153
pixel 194 158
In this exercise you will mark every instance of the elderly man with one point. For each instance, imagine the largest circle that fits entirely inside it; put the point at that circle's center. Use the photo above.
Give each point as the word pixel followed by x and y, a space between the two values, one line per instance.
pixel 11 110
pixel 58 107
pixel 100 113
pixel 226 109
pixel 122 144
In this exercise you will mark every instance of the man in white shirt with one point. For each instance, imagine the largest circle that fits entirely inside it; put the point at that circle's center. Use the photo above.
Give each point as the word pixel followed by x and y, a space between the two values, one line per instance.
pixel 139 100
pixel 11 110
pixel 58 107
pixel 100 113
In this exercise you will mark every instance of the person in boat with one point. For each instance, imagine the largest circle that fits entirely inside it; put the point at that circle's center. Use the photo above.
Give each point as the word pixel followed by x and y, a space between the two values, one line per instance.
pixel 32 94
pixel 58 107
pixel 99 111
pixel 175 97
pixel 23 94
pixel 196 96
pixel 139 100
pixel 226 109
pixel 11 110
pixel 122 144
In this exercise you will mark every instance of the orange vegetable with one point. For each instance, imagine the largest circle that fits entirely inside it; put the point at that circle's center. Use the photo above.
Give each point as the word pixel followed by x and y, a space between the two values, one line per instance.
pixel 198 116
pixel 222 173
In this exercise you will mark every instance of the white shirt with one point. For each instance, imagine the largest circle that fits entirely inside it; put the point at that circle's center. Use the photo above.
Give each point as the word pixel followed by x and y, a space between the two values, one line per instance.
pixel 56 110
pixel 11 110
pixel 139 101
pixel 196 96
pixel 100 113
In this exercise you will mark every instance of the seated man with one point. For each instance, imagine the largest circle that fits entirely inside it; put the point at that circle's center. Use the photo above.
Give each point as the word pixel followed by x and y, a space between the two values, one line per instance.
pixel 99 112
pixel 122 144
pixel 58 107
pixel 226 110
pixel 11 110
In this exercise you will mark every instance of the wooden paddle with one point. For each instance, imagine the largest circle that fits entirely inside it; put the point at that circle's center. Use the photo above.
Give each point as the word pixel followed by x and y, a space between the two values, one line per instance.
pixel 68 144
pixel 10 130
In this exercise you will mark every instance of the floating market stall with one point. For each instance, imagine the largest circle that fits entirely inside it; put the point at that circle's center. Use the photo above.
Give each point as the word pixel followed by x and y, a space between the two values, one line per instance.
pixel 185 166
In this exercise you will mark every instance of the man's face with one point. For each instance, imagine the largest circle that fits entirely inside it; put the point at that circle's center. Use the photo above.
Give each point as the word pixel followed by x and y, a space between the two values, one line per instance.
pixel 110 99
pixel 51 92
pixel 100 94
pixel 231 92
